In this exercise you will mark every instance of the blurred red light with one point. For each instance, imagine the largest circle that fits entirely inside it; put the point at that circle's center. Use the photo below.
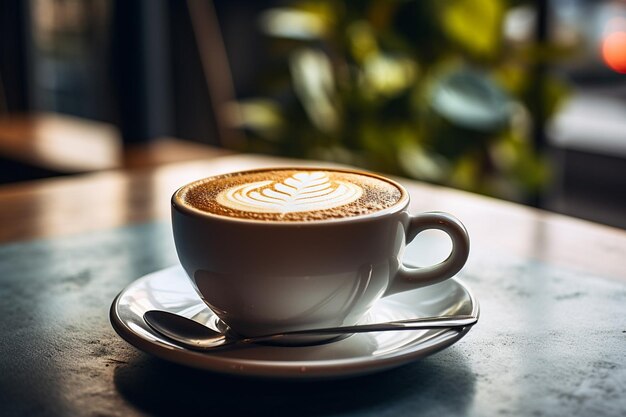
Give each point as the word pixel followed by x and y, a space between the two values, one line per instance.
pixel 614 51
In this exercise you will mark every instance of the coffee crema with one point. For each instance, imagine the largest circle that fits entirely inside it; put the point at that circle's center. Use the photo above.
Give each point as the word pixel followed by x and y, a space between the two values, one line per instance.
pixel 291 194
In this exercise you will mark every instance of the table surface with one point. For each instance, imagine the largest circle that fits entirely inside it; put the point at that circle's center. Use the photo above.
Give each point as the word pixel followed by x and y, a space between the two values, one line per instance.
pixel 69 145
pixel 551 339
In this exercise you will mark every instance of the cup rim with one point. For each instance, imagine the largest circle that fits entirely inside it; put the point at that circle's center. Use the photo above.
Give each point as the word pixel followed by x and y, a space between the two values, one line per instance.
pixel 177 203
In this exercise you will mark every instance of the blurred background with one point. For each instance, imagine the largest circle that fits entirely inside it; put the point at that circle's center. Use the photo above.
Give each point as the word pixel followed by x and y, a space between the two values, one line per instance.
pixel 519 100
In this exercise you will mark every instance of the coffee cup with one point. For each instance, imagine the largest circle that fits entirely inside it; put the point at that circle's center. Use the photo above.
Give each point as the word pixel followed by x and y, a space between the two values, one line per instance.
pixel 283 249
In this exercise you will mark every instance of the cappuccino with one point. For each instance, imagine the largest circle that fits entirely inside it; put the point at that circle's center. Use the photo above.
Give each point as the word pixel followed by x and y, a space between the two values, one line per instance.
pixel 283 249
pixel 291 194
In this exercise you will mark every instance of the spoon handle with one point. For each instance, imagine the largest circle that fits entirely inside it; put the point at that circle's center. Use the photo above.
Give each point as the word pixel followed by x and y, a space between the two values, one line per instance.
pixel 445 322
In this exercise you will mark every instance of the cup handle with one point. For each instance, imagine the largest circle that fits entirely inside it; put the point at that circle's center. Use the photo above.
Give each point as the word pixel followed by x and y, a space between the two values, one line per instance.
pixel 409 278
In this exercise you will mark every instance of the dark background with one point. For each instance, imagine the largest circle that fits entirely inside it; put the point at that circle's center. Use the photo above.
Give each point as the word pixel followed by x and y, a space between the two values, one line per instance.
pixel 141 66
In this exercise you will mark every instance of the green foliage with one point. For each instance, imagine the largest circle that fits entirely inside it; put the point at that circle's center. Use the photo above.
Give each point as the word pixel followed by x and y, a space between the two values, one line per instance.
pixel 425 88
pixel 474 25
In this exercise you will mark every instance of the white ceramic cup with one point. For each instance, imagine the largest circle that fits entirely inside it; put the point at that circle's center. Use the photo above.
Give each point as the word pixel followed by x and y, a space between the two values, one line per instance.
pixel 265 277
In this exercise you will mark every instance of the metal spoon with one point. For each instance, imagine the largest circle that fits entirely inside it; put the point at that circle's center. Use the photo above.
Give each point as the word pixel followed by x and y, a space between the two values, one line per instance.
pixel 193 335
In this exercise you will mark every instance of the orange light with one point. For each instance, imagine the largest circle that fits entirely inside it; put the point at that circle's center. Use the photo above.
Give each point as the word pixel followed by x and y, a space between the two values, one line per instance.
pixel 614 51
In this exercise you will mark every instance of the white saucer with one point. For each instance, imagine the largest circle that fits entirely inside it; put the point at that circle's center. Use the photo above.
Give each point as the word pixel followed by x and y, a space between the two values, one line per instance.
pixel 359 354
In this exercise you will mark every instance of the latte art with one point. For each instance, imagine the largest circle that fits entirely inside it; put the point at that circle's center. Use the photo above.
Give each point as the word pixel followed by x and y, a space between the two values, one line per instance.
pixel 289 194
pixel 303 191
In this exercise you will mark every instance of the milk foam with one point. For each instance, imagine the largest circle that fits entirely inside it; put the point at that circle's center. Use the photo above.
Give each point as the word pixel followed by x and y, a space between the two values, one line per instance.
pixel 303 191
pixel 291 194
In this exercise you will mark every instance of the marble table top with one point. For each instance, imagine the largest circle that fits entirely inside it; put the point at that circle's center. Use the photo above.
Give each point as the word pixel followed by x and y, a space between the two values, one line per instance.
pixel 551 341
